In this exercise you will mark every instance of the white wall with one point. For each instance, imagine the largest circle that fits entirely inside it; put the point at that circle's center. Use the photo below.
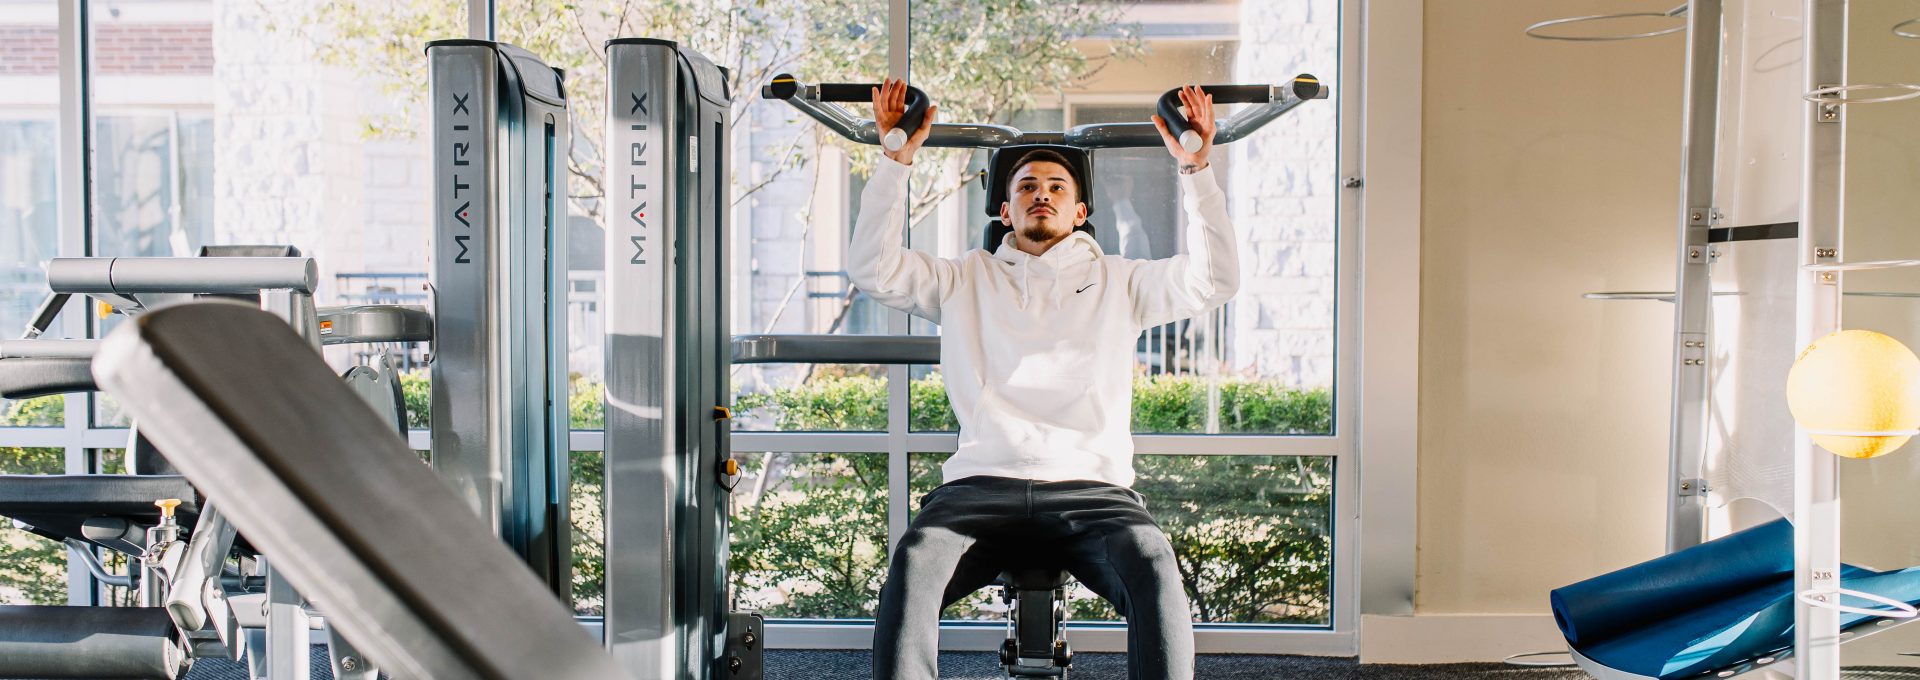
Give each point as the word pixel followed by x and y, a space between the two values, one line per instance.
pixel 1551 170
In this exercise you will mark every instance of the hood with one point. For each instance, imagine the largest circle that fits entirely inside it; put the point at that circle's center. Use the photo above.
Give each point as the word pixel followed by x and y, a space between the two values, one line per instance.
pixel 1076 249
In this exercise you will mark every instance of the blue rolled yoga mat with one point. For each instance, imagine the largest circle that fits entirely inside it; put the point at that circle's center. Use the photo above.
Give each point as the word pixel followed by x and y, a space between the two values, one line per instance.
pixel 1706 608
pixel 1623 601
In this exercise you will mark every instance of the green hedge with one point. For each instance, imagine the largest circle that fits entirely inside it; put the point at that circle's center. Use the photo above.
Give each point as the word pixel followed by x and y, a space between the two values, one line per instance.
pixel 1252 535
pixel 33 570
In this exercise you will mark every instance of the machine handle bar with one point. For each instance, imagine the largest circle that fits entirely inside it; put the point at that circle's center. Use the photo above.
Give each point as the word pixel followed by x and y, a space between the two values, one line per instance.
pixel 836 349
pixel 785 86
pixel 1169 107
pixel 1270 102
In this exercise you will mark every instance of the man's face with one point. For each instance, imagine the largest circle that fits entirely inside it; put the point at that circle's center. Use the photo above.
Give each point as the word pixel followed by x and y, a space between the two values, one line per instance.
pixel 1042 202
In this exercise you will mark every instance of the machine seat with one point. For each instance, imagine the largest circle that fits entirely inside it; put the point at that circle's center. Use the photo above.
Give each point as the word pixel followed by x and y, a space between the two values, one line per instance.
pixel 23 378
pixel 58 506
pixel 1033 577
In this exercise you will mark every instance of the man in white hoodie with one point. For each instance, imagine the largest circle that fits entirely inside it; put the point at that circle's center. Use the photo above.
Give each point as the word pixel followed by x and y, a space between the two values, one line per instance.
pixel 1037 345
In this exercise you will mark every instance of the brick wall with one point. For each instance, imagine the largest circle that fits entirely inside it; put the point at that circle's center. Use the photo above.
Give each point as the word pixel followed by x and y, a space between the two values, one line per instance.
pixel 131 49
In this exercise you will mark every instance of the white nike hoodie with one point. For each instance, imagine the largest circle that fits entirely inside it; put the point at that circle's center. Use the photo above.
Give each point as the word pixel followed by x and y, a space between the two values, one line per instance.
pixel 1038 352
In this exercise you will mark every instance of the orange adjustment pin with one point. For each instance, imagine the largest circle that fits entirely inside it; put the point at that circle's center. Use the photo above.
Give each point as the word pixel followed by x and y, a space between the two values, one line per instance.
pixel 167 505
pixel 730 466
pixel 722 413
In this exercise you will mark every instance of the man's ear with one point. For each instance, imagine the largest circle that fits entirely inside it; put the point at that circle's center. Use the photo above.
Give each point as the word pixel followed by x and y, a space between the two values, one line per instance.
pixel 1006 213
pixel 1079 214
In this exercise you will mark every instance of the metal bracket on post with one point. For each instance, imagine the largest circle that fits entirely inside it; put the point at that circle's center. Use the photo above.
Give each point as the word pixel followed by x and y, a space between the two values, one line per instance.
pixel 349 663
pixel 1699 218
pixel 1693 349
pixel 1827 255
pixel 746 645
pixel 1828 111
pixel 1692 487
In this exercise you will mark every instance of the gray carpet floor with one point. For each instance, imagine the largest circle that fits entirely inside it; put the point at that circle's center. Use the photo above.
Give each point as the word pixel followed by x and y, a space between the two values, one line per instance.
pixel 853 665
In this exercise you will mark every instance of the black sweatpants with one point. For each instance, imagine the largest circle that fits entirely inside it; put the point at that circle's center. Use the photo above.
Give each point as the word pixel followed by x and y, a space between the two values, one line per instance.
pixel 958 543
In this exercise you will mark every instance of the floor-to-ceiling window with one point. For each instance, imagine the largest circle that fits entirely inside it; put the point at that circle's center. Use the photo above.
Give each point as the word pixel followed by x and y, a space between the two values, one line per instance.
pixel 221 122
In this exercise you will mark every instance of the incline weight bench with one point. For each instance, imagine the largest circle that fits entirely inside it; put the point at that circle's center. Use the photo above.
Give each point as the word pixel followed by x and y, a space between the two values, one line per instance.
pixel 405 572
pixel 208 612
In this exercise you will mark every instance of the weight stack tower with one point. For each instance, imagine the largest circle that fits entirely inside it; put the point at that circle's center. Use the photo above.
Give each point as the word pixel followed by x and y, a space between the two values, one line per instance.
pixel 498 291
pixel 667 366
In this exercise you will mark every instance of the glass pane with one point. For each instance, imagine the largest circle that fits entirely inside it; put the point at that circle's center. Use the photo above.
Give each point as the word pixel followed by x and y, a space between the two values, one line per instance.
pixel 813 398
pixel 796 190
pixel 152 182
pixel 1273 343
pixel 588 505
pixel 416 389
pixel 29 164
pixel 49 411
pixel 110 462
pixel 809 534
pixel 223 122
pixel 33 570
pixel 793 192
pixel 1253 534
pixel 929 409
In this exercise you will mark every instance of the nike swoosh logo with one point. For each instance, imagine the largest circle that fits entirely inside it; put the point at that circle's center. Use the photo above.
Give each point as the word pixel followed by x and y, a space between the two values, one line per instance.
pixel 1084 289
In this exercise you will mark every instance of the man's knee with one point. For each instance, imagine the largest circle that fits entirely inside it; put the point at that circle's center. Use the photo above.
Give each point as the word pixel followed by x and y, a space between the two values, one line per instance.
pixel 1145 545
pixel 928 547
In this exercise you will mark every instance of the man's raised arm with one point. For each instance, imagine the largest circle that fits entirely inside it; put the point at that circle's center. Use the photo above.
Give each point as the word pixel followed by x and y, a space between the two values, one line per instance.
pixel 1208 273
pixel 877 261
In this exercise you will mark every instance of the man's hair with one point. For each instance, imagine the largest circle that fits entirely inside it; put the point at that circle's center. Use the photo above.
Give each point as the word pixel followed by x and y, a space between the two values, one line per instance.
pixel 1046 156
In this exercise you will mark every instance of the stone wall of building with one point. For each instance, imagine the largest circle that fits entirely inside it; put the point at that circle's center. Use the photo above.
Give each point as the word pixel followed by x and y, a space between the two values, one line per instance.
pixel 775 215
pixel 288 160
pixel 1284 194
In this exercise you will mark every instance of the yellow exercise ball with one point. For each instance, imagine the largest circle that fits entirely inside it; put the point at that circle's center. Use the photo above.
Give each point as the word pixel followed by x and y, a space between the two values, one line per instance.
pixel 1856 381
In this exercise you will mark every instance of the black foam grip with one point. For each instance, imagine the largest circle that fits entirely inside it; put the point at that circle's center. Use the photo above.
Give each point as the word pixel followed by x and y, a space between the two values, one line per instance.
pixel 1235 94
pixel 1169 105
pixel 910 119
pixel 916 113
pixel 1306 86
pixel 783 86
pixel 43 317
pixel 847 92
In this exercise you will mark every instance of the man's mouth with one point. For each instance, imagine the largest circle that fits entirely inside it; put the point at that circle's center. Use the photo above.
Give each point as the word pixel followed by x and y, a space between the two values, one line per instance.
pixel 1040 211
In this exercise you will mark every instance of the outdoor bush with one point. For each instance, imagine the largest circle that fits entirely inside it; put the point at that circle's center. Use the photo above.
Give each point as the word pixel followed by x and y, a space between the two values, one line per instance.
pixel 33 570
pixel 1252 534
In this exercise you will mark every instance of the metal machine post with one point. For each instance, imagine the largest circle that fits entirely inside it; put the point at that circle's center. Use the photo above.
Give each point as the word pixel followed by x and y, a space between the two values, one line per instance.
pixel 499 404
pixel 1693 289
pixel 1816 503
pixel 666 376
